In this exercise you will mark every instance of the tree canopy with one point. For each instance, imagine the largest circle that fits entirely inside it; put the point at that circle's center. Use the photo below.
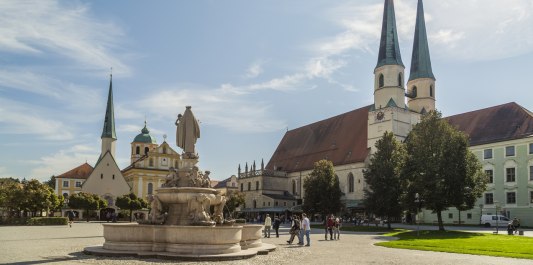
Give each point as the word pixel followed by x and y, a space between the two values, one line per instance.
pixel 234 200
pixel 131 202
pixel 87 202
pixel 440 168
pixel 383 190
pixel 322 190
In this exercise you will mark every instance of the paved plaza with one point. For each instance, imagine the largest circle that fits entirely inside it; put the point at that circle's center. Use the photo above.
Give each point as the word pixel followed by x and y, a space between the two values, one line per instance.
pixel 64 245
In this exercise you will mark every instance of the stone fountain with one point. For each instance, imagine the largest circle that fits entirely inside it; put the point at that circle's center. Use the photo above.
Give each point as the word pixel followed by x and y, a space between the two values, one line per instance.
pixel 180 224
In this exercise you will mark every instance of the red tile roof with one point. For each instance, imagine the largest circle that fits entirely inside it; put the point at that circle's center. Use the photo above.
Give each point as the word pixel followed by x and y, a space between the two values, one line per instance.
pixel 495 124
pixel 81 172
pixel 341 139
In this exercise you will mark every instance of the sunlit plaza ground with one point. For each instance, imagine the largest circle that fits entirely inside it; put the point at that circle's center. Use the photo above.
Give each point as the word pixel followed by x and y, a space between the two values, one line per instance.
pixel 64 245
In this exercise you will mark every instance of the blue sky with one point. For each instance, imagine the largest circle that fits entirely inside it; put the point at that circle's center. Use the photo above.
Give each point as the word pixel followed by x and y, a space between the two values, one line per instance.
pixel 250 69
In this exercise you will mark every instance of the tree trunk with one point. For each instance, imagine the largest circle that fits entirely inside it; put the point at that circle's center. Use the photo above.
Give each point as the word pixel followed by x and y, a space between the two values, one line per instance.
pixel 439 218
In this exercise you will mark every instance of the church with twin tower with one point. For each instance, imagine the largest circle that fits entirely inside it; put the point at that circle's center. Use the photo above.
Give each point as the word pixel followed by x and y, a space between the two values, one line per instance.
pixel 500 136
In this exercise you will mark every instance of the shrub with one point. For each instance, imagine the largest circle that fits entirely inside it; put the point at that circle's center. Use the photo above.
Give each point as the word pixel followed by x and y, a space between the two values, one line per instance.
pixel 48 221
pixel 14 221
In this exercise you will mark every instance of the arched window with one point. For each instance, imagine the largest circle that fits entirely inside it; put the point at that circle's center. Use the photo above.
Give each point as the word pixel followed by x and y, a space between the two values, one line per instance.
pixel 146 150
pixel 137 150
pixel 101 176
pixel 242 186
pixel 151 163
pixel 255 204
pixel 431 91
pixel 294 187
pixel 150 188
pixel 257 185
pixel 351 183
pixel 381 81
pixel 113 176
pixel 400 80
pixel 249 185
pixel 414 92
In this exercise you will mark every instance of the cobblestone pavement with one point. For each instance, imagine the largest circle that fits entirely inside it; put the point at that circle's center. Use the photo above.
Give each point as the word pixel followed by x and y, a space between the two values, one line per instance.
pixel 64 245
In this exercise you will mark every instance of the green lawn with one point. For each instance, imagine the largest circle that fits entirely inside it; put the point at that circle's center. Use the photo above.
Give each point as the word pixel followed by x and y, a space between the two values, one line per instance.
pixel 464 242
pixel 363 228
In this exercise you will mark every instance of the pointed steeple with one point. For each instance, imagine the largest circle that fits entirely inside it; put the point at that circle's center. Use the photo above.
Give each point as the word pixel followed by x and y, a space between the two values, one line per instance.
pixel 389 49
pixel 420 61
pixel 109 121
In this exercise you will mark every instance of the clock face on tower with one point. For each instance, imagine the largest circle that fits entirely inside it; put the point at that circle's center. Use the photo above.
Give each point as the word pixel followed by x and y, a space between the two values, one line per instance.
pixel 380 115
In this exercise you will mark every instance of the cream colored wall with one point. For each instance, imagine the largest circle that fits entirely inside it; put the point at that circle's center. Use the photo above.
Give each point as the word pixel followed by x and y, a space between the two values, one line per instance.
pixel 106 185
pixel 391 88
pixel 423 99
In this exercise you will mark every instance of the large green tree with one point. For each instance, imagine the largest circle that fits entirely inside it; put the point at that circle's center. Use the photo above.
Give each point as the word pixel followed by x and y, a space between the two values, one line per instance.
pixel 322 190
pixel 234 200
pixel 439 166
pixel 36 197
pixel 131 202
pixel 87 202
pixel 10 194
pixel 383 190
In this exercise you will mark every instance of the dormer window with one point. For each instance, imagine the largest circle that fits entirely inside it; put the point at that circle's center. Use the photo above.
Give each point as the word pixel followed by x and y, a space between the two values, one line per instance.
pixel 381 81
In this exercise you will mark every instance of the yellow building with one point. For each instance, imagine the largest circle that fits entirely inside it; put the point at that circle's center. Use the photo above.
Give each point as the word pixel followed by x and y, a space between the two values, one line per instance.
pixel 71 181
pixel 150 163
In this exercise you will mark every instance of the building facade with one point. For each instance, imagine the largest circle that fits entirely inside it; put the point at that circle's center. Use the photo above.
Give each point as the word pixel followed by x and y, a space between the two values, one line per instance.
pixel 505 131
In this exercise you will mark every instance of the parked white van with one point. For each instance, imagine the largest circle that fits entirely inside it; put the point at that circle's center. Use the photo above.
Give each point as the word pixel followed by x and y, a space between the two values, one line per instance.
pixel 489 220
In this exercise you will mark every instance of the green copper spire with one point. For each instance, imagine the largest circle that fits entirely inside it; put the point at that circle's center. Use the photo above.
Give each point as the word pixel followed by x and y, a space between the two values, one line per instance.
pixel 109 121
pixel 389 49
pixel 420 61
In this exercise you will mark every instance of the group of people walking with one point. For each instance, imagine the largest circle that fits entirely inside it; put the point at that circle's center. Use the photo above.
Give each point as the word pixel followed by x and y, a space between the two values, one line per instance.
pixel 332 225
pixel 300 227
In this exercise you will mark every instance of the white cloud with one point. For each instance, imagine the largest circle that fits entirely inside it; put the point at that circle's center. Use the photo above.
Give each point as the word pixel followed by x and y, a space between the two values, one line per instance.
pixel 255 69
pixel 220 107
pixel 39 27
pixel 63 161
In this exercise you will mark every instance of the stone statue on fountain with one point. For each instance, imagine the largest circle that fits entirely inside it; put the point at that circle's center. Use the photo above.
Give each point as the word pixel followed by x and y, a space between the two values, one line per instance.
pixel 187 191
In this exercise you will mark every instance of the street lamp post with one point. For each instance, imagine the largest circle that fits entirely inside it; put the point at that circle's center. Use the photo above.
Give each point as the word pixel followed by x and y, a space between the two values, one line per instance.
pixel 496 205
pixel 417 201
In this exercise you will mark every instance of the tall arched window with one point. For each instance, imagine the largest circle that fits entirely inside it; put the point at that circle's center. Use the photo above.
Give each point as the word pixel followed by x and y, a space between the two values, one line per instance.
pixel 151 163
pixel 150 188
pixel 294 187
pixel 146 150
pixel 400 80
pixel 257 185
pixel 381 81
pixel 137 150
pixel 249 185
pixel 255 204
pixel 242 186
pixel 351 183
pixel 431 91
pixel 414 92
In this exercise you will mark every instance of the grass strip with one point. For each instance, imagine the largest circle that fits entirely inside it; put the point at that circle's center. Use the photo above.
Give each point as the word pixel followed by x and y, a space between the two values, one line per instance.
pixel 464 243
pixel 364 228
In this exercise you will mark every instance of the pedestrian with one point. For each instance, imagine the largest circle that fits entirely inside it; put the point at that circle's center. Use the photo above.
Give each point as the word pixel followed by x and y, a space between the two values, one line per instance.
pixel 268 225
pixel 295 229
pixel 114 217
pixel 325 223
pixel 516 224
pixel 330 224
pixel 70 218
pixel 337 229
pixel 277 223
pixel 306 227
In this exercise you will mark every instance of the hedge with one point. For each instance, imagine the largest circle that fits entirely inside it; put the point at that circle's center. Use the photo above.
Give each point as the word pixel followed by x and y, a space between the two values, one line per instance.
pixel 48 221
pixel 14 220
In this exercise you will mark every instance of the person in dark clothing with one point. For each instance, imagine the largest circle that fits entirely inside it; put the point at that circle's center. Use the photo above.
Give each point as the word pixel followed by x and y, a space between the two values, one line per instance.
pixel 277 223
pixel 330 224
pixel 295 230
pixel 70 218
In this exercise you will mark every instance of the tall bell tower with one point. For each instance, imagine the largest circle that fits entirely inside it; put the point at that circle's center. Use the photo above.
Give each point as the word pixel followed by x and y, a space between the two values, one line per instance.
pixel 389 112
pixel 421 85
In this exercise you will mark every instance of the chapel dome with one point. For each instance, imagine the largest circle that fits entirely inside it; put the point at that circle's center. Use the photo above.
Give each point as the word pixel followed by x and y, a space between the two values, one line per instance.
pixel 145 137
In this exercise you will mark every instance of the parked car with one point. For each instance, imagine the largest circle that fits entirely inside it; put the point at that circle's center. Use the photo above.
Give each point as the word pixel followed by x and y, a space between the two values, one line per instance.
pixel 489 220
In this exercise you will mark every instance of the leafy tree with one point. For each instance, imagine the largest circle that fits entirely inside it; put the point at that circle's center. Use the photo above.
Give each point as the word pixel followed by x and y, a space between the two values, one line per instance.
pixel 51 182
pixel 87 202
pixel 10 194
pixel 36 197
pixel 439 166
pixel 322 190
pixel 383 192
pixel 234 200
pixel 131 202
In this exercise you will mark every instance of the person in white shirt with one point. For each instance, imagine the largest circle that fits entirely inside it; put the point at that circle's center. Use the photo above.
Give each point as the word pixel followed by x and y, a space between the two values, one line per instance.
pixel 268 225
pixel 306 227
